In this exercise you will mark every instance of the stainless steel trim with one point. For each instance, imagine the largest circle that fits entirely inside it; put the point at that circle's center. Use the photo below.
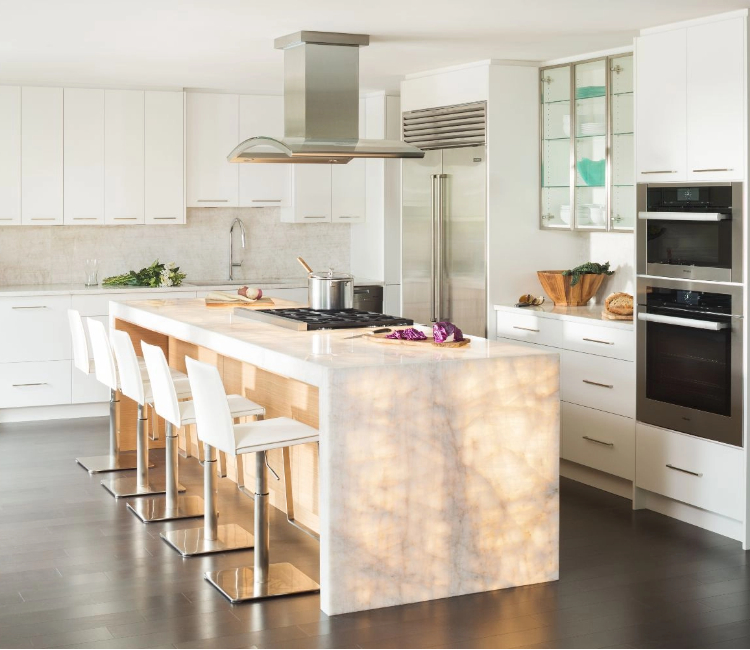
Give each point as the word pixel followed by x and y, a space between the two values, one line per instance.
pixel 433 248
pixel 39 383
pixel 525 329
pixel 125 218
pixel 597 341
pixel 596 383
pixel 685 216
pixel 440 226
pixel 599 442
pixel 43 219
pixel 212 201
pixel 31 307
pixel 684 471
pixel 683 322
pixel 163 218
pixel 85 218
pixel 311 217
pixel 661 171
pixel 265 201
pixel 725 169
pixel 446 127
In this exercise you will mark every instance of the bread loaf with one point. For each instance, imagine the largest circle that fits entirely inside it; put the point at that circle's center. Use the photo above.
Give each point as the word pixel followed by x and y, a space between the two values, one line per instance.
pixel 620 304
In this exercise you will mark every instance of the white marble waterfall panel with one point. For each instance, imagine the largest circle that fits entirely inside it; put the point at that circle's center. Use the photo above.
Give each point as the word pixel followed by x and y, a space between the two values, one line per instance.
pixel 438 480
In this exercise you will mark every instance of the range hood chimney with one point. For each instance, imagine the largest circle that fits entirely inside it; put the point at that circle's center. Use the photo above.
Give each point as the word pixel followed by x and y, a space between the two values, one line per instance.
pixel 321 106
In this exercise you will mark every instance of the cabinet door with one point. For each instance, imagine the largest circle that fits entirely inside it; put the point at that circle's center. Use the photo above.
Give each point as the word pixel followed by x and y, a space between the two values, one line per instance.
pixel 164 157
pixel 311 195
pixel 348 192
pixel 263 185
pixel 42 156
pixel 10 155
pixel 123 156
pixel 83 167
pixel 212 133
pixel 715 100
pixel 661 109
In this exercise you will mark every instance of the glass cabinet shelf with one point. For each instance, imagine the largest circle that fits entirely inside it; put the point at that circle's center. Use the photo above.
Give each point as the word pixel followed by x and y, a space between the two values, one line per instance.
pixel 587 145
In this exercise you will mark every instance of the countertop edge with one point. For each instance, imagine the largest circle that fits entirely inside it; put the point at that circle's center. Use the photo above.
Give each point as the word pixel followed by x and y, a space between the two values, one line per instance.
pixel 593 317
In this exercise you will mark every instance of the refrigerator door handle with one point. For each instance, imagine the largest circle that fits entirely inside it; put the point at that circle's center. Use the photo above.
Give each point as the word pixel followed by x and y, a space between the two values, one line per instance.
pixel 434 207
pixel 438 218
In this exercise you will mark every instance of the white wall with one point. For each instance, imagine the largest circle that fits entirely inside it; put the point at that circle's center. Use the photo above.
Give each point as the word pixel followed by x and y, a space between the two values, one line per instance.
pixel 48 254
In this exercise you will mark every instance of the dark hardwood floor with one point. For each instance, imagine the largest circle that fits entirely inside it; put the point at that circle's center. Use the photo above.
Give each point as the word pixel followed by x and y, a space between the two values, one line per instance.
pixel 78 570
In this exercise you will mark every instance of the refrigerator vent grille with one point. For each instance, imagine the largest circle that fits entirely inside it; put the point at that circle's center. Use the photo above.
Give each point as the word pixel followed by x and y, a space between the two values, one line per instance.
pixel 448 127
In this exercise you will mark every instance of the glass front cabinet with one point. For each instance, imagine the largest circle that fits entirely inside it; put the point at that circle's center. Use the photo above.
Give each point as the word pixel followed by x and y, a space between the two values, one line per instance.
pixel 587 145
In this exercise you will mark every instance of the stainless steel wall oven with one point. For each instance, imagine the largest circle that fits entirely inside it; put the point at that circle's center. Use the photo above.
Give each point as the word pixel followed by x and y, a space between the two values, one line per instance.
pixel 693 232
pixel 690 351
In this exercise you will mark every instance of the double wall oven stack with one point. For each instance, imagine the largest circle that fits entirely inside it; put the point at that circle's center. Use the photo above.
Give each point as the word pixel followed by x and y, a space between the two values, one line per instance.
pixel 689 241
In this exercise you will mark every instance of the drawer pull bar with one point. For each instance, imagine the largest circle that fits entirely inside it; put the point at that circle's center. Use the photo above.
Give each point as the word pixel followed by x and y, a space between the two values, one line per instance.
pixel 661 171
pixel 684 471
pixel 31 307
pixel 599 442
pixel 320 217
pixel 596 383
pixel 717 169
pixel 598 341
pixel 41 383
pixel 212 201
pixel 525 329
pixel 265 201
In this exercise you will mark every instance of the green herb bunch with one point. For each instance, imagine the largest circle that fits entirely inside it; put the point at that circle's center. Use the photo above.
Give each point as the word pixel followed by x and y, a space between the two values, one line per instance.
pixel 589 267
pixel 156 275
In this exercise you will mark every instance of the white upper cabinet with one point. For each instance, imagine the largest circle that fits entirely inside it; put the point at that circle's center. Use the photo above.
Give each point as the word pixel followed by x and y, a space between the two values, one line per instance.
pixel 348 192
pixel 716 88
pixel 263 185
pixel 661 107
pixel 83 166
pixel 164 157
pixel 123 157
pixel 311 195
pixel 212 133
pixel 41 156
pixel 10 155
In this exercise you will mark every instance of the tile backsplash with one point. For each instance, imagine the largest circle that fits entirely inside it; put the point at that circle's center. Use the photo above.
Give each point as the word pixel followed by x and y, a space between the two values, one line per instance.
pixel 48 254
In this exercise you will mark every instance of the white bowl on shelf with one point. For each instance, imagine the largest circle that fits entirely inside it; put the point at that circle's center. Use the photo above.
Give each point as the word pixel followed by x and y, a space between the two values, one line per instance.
pixel 565 214
pixel 566 125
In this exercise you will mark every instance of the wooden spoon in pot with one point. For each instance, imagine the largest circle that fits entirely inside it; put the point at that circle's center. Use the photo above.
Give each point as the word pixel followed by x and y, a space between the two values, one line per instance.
pixel 305 265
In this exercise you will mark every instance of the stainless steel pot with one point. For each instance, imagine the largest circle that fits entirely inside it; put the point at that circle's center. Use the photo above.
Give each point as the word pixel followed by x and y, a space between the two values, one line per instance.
pixel 330 290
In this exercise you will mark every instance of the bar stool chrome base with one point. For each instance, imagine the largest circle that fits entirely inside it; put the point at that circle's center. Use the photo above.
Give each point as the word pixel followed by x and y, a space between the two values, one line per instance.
pixel 127 486
pixel 99 464
pixel 284 579
pixel 192 541
pixel 158 509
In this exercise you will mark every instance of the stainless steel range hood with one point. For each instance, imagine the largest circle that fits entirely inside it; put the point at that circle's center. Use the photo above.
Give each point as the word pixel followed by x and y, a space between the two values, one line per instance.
pixel 321 106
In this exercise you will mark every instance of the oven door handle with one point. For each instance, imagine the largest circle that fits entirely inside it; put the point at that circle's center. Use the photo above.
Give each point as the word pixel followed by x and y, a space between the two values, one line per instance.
pixel 684 322
pixel 685 216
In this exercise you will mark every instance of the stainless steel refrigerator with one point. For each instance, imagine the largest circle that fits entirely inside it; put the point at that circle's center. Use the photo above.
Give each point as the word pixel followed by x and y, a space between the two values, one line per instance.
pixel 444 230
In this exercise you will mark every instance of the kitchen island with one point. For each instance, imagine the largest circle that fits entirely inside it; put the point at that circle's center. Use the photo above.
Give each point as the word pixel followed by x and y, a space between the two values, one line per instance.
pixel 437 469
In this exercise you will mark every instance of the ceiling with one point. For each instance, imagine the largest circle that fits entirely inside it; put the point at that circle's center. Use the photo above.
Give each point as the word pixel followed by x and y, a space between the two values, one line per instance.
pixel 228 44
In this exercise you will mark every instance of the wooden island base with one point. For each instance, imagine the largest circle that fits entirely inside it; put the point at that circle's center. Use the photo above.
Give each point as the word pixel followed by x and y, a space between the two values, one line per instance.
pixel 281 397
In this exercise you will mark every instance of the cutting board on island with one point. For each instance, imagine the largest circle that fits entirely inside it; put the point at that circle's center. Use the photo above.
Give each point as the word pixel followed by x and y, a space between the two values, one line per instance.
pixel 218 299
pixel 425 343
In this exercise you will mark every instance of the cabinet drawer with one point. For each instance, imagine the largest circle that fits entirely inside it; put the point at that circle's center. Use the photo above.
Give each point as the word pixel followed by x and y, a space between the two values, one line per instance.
pixel 600 440
pixel 35 328
pixel 705 474
pixel 529 328
pixel 598 382
pixel 603 341
pixel 38 383
pixel 98 304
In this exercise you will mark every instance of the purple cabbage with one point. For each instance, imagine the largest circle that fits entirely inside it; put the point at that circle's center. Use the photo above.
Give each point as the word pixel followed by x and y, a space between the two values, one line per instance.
pixel 409 334
pixel 446 331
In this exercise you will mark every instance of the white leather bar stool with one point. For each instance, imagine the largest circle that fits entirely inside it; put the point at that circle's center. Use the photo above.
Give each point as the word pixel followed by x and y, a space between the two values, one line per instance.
pixel 135 385
pixel 216 429
pixel 114 461
pixel 176 414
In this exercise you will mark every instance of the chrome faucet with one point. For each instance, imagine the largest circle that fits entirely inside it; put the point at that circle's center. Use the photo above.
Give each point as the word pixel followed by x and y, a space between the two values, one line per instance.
pixel 232 264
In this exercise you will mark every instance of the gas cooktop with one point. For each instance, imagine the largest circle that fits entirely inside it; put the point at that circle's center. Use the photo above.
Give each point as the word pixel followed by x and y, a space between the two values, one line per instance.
pixel 304 318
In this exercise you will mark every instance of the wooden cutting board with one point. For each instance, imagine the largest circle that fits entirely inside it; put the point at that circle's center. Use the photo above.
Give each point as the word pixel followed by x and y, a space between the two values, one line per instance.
pixel 607 316
pixel 218 304
pixel 428 342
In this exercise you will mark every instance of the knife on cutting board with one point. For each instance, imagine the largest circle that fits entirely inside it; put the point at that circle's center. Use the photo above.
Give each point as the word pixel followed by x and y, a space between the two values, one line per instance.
pixel 381 330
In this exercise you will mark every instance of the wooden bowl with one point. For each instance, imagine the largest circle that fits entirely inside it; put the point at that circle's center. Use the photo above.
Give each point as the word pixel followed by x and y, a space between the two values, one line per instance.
pixel 557 286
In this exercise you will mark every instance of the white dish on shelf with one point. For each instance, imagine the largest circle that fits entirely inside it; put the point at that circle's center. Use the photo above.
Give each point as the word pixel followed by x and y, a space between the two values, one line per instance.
pixel 565 214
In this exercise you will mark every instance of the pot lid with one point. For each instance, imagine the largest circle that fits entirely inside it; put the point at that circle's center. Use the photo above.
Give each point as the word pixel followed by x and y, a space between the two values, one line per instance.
pixel 330 274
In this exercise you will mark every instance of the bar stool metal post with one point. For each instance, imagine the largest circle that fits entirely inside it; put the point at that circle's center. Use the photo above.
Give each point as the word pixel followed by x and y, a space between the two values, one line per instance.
pixel 100 367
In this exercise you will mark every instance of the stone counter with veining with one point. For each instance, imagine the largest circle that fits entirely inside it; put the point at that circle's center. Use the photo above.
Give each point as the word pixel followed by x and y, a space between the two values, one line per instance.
pixel 438 467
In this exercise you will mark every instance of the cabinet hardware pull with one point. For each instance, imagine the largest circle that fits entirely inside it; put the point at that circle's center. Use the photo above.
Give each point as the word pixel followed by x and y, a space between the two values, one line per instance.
pixel 31 307
pixel 724 169
pixel 41 383
pixel 265 201
pixel 525 329
pixel 6 218
pixel 85 218
pixel 599 442
pixel 212 201
pixel 42 218
pixel 596 383
pixel 345 217
pixel 164 218
pixel 662 171
pixel 598 341
pixel 321 217
pixel 684 471
pixel 125 218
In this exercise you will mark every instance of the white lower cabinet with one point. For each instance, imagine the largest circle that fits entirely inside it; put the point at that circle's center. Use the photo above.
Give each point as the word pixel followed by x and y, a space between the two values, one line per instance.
pixel 598 439
pixel 701 473
pixel 36 383
pixel 598 382
pixel 35 328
